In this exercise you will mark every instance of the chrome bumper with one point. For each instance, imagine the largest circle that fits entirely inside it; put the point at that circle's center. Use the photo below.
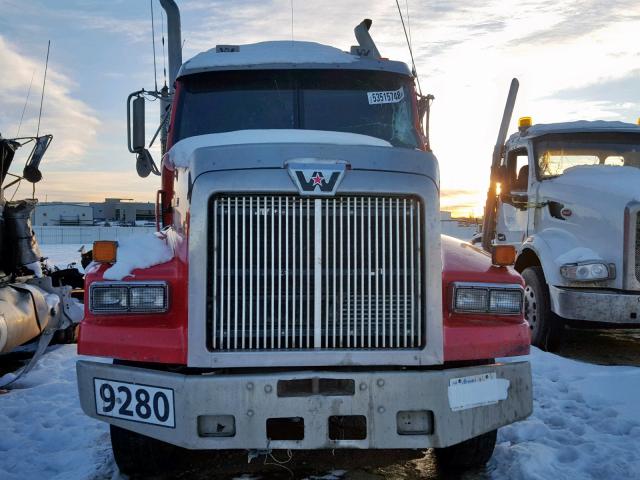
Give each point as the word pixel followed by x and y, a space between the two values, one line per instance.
pixel 605 306
pixel 378 396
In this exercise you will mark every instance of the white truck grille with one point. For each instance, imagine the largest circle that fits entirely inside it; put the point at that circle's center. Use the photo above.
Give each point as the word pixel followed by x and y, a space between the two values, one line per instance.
pixel 290 272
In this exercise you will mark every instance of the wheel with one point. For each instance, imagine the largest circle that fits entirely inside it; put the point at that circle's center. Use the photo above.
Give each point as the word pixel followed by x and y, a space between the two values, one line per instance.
pixel 546 327
pixel 136 454
pixel 471 453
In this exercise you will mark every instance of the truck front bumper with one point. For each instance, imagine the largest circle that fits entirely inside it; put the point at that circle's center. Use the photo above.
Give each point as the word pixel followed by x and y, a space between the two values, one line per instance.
pixel 596 305
pixel 452 405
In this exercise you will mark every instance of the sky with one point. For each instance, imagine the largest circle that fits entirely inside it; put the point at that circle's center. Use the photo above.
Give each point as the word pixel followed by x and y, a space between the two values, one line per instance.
pixel 575 59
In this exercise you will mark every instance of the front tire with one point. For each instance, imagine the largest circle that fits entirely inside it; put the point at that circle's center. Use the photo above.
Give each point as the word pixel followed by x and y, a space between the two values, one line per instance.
pixel 471 453
pixel 546 327
pixel 137 454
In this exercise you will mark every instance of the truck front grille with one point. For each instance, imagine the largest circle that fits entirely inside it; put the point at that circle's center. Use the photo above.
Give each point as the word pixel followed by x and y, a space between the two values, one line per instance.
pixel 288 272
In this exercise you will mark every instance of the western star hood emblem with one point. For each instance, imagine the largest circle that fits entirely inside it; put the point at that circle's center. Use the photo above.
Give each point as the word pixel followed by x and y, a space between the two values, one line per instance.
pixel 316 177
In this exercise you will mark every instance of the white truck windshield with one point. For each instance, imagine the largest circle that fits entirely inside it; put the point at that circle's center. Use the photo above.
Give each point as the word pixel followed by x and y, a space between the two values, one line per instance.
pixel 378 104
pixel 557 153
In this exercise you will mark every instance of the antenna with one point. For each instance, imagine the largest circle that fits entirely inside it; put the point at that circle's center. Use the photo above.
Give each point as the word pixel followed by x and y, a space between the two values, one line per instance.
pixel 26 100
pixel 406 36
pixel 44 82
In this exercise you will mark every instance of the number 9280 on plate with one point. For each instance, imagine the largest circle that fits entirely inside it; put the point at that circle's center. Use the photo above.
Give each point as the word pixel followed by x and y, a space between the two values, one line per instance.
pixel 134 402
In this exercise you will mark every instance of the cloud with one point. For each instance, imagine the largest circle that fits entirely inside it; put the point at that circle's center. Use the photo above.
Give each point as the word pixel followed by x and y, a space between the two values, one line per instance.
pixel 622 89
pixel 73 124
pixel 580 18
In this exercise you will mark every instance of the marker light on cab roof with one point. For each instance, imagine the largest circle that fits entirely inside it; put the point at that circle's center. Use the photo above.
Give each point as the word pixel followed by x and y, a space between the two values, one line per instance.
pixel 525 122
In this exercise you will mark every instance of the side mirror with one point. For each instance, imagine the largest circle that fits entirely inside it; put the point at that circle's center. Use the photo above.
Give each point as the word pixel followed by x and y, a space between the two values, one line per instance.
pixel 137 125
pixel 31 171
pixel 136 135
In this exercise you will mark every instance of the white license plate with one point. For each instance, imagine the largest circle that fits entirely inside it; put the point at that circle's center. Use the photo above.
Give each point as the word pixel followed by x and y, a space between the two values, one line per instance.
pixel 477 391
pixel 138 403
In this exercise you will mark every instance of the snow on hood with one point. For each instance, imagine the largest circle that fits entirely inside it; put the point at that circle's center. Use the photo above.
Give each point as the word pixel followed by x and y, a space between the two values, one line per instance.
pixel 580 125
pixel 283 51
pixel 619 181
pixel 139 251
pixel 179 155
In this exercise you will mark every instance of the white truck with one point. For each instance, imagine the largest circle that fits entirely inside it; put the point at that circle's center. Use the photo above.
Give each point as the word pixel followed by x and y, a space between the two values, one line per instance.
pixel 569 201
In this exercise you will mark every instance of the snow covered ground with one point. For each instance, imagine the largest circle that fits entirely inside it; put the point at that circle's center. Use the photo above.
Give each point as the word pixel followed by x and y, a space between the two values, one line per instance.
pixel 585 424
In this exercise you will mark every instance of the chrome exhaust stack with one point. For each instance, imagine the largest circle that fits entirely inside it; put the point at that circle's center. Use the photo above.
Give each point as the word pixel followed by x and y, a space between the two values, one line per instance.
pixel 174 39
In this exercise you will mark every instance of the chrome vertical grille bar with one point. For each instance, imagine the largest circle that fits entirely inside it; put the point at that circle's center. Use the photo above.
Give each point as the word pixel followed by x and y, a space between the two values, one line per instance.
pixel 279 272
pixel 243 291
pixel 235 275
pixel 369 253
pixel 250 272
pixel 349 272
pixel 397 273
pixel 353 277
pixel 228 273
pixel 361 268
pixel 308 273
pixel 384 274
pixel 411 273
pixel 300 276
pixel 318 271
pixel 377 275
pixel 419 274
pixel 286 274
pixel 294 275
pixel 217 255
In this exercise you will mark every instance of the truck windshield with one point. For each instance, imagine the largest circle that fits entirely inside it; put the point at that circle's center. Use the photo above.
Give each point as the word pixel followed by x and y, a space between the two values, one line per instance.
pixel 378 104
pixel 557 153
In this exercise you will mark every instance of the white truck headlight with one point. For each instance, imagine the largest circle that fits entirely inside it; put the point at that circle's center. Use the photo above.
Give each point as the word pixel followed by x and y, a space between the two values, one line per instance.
pixel 128 297
pixel 488 298
pixel 587 271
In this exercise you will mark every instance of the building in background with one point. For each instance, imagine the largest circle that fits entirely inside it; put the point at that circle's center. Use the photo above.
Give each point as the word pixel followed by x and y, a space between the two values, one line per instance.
pixel 113 211
pixel 63 214
pixel 124 211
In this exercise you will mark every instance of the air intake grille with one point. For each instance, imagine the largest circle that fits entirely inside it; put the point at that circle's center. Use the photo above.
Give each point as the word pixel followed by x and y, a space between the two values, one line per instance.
pixel 300 273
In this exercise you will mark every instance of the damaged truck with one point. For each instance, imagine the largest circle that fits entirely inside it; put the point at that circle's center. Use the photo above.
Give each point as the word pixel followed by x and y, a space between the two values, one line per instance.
pixel 36 300
pixel 567 197
pixel 311 302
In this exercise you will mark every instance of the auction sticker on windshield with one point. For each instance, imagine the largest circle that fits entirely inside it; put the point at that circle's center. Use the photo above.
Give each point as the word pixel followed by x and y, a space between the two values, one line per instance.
pixel 135 402
pixel 392 96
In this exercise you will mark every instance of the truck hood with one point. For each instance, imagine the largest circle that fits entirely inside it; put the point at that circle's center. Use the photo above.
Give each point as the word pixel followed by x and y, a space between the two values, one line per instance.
pixel 271 149
pixel 622 183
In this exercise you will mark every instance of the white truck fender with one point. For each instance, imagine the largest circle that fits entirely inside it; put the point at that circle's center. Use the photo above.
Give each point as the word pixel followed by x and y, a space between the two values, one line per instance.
pixel 550 245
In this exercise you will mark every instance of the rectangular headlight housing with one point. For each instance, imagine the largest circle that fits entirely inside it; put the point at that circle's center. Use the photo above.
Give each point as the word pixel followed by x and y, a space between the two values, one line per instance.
pixel 128 297
pixel 588 271
pixel 497 299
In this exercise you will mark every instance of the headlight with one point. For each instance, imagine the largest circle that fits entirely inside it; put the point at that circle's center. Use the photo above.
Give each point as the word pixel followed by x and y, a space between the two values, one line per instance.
pixel 128 297
pixel 587 272
pixel 487 298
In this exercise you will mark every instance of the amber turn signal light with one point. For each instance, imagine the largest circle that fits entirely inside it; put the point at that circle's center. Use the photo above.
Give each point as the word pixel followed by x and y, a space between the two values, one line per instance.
pixel 105 251
pixel 503 255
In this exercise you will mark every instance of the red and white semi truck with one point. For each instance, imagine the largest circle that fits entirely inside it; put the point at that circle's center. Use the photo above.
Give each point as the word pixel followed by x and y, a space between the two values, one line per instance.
pixel 310 301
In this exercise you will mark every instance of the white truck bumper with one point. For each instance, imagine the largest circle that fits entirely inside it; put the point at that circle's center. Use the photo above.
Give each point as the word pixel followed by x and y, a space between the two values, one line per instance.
pixel 602 306
pixel 397 409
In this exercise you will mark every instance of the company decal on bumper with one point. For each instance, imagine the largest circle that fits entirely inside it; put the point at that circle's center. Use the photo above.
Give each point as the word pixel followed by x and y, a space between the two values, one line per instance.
pixel 477 391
